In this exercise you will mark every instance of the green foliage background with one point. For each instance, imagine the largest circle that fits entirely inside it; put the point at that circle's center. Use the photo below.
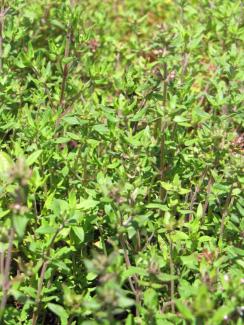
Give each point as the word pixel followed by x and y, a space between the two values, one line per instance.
pixel 121 131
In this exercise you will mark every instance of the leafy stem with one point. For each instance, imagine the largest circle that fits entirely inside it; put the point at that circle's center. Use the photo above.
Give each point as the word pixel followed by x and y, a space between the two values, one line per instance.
pixel 228 203
pixel 6 271
pixel 3 12
pixel 172 273
pixel 42 275
pixel 162 134
pixel 66 55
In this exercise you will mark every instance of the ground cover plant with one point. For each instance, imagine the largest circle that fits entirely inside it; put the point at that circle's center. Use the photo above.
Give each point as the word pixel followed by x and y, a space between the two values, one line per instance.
pixel 121 132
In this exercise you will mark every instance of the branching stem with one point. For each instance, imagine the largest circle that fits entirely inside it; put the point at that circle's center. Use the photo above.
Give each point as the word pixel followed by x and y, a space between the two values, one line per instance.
pixel 228 203
pixel 162 135
pixel 172 273
pixel 66 55
pixel 42 275
pixel 3 13
pixel 6 272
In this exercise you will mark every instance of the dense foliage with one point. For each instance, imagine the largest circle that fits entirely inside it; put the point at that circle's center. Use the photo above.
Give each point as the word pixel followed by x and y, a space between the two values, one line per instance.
pixel 121 131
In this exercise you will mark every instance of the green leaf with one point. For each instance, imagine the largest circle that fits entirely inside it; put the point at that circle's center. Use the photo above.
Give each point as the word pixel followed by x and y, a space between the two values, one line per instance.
pixel 166 277
pixel 184 310
pixel 190 261
pixel 203 239
pixel 129 320
pixel 62 140
pixel 73 136
pixel 71 120
pixel 240 263
pixel 134 270
pixel 179 235
pixel 45 230
pixel 199 211
pixel 79 232
pixel 86 204
pixel 167 186
pixel 49 200
pixel 151 298
pixel 4 213
pixel 221 313
pixel 183 191
pixel 67 60
pixel 20 223
pixel 59 207
pixel 60 312
pixel 159 206
pixel 102 129
pixel 125 302
pixel 72 199
pixel 6 164
pixel 180 119
pixel 33 157
pixel 6 51
pixel 57 23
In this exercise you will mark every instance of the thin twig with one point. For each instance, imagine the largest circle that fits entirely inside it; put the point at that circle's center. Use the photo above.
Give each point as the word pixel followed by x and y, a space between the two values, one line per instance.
pixel 68 108
pixel 228 203
pixel 42 275
pixel 148 241
pixel 126 256
pixel 134 286
pixel 3 13
pixel 6 283
pixel 185 62
pixel 66 55
pixel 205 91
pixel 166 305
pixel 2 253
pixel 127 222
pixel 162 134
pixel 172 273
pixel 46 89
pixel 138 240
pixel 39 290
pixel 143 103
pixel 197 189
pixel 45 311
pixel 205 207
